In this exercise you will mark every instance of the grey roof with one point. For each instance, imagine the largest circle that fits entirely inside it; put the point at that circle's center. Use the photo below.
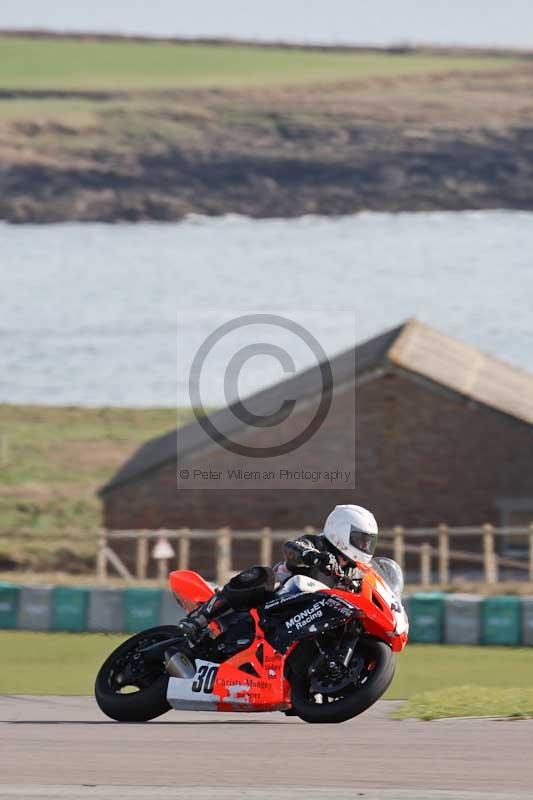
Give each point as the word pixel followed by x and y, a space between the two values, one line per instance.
pixel 464 369
pixel 412 346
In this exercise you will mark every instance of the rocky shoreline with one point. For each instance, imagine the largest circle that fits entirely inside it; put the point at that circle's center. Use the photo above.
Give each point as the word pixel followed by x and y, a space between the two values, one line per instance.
pixel 447 175
pixel 449 142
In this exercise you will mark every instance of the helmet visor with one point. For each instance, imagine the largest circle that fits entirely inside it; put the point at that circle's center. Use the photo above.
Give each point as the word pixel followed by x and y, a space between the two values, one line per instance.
pixel 366 542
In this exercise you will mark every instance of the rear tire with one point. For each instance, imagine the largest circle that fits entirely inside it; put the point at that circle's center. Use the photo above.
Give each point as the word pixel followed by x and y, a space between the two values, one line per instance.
pixel 361 697
pixel 150 701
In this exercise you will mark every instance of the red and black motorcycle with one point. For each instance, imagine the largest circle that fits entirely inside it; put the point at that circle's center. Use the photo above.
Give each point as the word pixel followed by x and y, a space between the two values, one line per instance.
pixel 325 655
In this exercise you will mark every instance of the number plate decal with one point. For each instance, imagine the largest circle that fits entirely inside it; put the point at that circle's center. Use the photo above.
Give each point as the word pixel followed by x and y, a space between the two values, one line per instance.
pixel 205 679
pixel 195 693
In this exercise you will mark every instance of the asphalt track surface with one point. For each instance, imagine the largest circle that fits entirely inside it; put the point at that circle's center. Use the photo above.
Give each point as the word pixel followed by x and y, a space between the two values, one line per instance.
pixel 63 748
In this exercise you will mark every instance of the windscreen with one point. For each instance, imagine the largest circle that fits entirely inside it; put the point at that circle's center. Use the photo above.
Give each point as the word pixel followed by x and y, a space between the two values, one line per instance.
pixel 392 574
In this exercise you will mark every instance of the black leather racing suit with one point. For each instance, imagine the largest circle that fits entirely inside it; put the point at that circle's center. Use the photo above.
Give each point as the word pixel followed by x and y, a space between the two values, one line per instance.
pixel 314 556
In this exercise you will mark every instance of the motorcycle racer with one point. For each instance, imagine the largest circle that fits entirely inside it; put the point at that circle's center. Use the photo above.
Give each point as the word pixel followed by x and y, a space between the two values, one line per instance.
pixel 349 536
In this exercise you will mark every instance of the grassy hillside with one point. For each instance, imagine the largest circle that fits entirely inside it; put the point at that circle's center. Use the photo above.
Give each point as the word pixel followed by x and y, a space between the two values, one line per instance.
pixel 114 130
pixel 33 63
pixel 54 460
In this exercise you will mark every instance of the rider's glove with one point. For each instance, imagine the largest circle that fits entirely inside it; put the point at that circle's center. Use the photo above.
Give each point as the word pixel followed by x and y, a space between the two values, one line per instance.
pixel 189 628
pixel 326 562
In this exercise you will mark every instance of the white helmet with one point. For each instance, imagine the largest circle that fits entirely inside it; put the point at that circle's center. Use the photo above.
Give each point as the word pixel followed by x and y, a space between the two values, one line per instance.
pixel 353 531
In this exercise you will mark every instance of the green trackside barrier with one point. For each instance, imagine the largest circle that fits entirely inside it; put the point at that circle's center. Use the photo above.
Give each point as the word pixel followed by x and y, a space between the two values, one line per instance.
pixel 141 609
pixel 505 620
pixel 70 606
pixel 426 617
pixel 501 620
pixel 9 605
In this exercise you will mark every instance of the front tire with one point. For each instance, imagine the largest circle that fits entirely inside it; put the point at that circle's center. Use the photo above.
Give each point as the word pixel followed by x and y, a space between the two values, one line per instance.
pixel 124 671
pixel 378 672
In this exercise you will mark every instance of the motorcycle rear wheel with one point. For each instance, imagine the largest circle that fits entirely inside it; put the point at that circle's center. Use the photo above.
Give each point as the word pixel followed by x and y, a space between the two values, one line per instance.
pixel 149 696
pixel 380 665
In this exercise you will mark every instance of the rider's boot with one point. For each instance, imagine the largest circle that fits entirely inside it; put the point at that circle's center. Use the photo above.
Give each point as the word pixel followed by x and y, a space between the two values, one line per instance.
pixel 197 621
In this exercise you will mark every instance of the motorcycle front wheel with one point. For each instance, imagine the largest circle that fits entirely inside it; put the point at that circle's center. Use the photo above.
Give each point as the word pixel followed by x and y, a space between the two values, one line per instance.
pixel 127 688
pixel 377 667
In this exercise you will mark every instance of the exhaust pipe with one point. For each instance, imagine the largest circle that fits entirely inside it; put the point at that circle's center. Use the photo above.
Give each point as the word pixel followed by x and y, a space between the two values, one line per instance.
pixel 179 665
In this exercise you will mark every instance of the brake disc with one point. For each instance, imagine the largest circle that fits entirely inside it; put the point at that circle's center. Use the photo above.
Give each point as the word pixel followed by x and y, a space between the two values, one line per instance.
pixel 331 684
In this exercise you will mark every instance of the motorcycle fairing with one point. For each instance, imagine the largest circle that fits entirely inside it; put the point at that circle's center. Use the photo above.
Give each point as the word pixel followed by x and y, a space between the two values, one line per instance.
pixel 189 588
pixel 289 619
pixel 382 613
pixel 251 680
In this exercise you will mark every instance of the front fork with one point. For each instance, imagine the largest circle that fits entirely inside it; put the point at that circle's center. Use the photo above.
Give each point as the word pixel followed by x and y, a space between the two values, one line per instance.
pixel 345 654
pixel 349 643
pixel 337 663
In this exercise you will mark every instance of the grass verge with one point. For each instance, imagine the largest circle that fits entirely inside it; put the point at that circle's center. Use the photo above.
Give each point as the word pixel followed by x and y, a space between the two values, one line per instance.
pixel 469 701
pixel 52 663
pixel 66 663
pixel 428 668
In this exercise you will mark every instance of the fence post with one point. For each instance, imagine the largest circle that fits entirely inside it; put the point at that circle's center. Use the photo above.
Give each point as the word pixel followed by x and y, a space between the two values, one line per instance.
pixel 101 556
pixel 266 547
pixel 4 449
pixel 531 551
pixel 425 564
pixel 162 570
pixel 491 569
pixel 444 555
pixel 142 556
pixel 223 555
pixel 162 553
pixel 399 545
pixel 184 549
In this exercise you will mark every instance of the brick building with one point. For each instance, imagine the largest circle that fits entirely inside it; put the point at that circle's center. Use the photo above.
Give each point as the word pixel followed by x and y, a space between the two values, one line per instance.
pixel 443 433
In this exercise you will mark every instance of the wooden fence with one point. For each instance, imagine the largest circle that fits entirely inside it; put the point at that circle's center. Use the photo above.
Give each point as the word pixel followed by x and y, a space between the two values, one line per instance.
pixel 428 545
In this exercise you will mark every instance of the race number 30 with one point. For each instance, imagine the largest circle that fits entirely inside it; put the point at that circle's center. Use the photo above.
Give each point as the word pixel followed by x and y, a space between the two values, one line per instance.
pixel 205 679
